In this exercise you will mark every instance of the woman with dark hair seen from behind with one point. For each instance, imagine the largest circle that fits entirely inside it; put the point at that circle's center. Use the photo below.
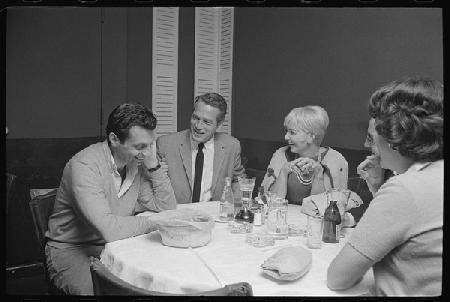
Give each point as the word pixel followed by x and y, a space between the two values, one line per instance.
pixel 400 234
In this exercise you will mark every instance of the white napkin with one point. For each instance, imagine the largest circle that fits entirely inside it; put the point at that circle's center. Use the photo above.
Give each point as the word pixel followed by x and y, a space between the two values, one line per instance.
pixel 289 263
pixel 315 205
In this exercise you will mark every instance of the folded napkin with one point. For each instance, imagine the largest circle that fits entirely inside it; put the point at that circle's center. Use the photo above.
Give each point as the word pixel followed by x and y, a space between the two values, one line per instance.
pixel 289 263
pixel 315 205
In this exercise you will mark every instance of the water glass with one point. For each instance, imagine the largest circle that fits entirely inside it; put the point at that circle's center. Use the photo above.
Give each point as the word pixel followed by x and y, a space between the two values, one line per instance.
pixel 276 223
pixel 314 229
pixel 247 184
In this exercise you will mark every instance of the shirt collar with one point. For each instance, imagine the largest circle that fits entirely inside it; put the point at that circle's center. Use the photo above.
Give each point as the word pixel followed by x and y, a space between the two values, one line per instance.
pixel 110 158
pixel 418 166
pixel 208 144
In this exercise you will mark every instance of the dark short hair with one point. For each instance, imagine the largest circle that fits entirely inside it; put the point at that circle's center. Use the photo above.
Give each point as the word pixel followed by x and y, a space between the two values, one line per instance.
pixel 408 114
pixel 214 100
pixel 127 115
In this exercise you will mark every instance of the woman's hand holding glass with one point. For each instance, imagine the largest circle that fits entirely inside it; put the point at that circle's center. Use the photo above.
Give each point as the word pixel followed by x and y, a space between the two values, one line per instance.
pixel 301 165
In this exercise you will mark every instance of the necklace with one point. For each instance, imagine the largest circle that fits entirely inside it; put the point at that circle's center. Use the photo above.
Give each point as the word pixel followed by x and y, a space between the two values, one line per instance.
pixel 305 178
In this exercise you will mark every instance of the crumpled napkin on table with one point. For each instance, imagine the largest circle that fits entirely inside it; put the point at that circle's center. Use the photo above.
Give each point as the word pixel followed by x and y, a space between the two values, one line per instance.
pixel 288 263
pixel 315 205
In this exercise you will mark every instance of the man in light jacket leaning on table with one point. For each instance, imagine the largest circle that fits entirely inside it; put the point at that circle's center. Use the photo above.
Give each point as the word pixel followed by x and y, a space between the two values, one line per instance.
pixel 100 188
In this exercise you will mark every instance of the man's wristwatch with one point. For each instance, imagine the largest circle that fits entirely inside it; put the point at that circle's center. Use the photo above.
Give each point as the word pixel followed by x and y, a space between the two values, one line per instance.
pixel 155 168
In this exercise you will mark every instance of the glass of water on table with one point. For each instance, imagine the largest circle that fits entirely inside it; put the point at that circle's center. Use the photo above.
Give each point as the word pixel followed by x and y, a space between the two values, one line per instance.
pixel 247 185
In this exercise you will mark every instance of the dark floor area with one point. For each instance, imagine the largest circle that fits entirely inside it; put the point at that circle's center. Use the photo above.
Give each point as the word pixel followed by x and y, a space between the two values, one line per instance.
pixel 32 285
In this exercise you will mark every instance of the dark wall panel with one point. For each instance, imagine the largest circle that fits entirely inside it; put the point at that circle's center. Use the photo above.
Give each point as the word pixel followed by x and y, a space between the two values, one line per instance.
pixel 114 60
pixel 186 59
pixel 52 72
pixel 139 54
pixel 333 57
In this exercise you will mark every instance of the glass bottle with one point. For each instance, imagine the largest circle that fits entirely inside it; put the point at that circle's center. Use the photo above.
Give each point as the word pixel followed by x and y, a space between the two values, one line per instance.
pixel 331 221
pixel 226 212
pixel 245 216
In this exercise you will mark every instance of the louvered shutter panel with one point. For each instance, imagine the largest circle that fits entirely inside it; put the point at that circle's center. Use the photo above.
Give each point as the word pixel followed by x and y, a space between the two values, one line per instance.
pixel 214 55
pixel 226 62
pixel 165 68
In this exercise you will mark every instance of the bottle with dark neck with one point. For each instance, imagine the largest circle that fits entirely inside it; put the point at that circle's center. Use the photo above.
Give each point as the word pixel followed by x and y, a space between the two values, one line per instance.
pixel 331 220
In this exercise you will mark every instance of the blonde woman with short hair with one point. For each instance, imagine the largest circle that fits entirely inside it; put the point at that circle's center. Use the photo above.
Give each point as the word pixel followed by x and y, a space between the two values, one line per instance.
pixel 304 167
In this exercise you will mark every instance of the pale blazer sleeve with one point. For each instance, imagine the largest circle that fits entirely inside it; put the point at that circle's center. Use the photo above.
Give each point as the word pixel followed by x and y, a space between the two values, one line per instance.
pixel 156 192
pixel 276 163
pixel 238 168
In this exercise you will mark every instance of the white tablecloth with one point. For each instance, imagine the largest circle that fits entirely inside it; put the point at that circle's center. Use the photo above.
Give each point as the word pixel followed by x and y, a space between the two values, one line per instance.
pixel 143 261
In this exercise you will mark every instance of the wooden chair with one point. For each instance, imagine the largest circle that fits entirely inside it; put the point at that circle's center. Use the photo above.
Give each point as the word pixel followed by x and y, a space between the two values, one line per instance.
pixel 41 208
pixel 106 283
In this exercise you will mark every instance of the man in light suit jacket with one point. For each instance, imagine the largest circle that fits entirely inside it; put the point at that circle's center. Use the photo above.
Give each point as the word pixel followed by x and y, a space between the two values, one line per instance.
pixel 221 153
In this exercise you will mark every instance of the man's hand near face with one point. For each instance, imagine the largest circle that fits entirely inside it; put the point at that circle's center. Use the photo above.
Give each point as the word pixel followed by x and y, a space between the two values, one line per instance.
pixel 150 159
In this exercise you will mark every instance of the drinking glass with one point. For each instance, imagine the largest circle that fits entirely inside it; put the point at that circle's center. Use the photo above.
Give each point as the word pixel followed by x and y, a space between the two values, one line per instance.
pixel 314 231
pixel 276 224
pixel 247 184
pixel 341 197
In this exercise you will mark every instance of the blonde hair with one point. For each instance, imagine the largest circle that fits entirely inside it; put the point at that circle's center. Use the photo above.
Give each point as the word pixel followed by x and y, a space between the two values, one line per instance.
pixel 310 119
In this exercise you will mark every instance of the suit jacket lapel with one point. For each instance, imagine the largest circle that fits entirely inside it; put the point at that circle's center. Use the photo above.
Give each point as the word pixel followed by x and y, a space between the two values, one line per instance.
pixel 186 156
pixel 219 156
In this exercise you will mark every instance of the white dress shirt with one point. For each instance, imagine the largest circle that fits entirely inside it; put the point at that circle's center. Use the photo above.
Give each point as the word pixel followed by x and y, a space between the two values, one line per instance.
pixel 207 174
pixel 132 170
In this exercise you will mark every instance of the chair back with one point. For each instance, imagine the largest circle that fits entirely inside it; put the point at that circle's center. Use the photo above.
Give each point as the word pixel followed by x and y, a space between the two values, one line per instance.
pixel 41 208
pixel 106 283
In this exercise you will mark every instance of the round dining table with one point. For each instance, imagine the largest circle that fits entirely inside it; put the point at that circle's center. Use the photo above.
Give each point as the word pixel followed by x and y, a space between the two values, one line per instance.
pixel 145 262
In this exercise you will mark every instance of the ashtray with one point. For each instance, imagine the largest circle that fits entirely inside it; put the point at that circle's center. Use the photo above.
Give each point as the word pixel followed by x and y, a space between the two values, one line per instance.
pixel 240 227
pixel 296 230
pixel 260 239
